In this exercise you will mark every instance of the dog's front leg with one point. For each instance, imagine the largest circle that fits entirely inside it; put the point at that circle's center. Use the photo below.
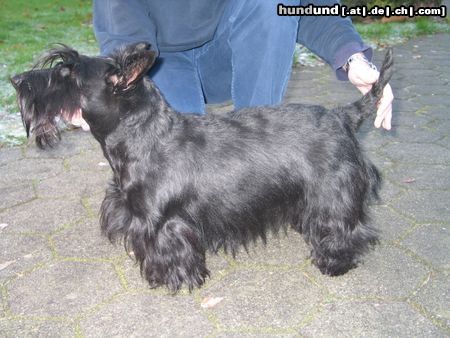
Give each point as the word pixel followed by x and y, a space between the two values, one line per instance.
pixel 173 255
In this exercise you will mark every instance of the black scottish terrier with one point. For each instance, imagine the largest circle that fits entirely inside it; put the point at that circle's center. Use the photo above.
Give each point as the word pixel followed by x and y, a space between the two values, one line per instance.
pixel 185 183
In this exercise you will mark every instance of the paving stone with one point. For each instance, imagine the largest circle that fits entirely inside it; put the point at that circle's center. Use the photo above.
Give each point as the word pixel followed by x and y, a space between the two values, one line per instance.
pixel 421 176
pixel 434 296
pixel 388 192
pixel 148 316
pixel 21 252
pixel 94 202
pixel 445 142
pixel 374 139
pixel 413 134
pixel 435 100
pixel 279 250
pixel 132 273
pixel 403 93
pixel 91 160
pixel 385 272
pixel 425 206
pixel 10 155
pixel 434 112
pixel 408 119
pixel 62 289
pixel 417 153
pixel 399 105
pixel 441 126
pixel 30 328
pixel 31 169
pixel 431 241
pixel 381 162
pixel 16 194
pixel 35 216
pixel 390 224
pixel 84 240
pixel 370 319
pixel 72 184
pixel 267 298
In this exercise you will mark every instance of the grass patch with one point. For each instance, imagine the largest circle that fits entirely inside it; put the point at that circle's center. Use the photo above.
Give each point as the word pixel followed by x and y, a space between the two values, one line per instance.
pixel 27 29
pixel 381 34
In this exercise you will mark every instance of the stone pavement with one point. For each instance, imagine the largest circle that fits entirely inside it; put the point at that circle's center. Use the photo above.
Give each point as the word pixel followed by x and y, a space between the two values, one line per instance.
pixel 59 277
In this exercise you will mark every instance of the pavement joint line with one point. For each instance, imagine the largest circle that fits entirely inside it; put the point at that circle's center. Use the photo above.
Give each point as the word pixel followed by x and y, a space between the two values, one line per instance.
pixel 66 165
pixel 313 281
pixel 402 188
pixel 77 330
pixel 420 309
pixel 65 226
pixel 209 315
pixel 403 215
pixel 421 284
pixel 414 256
pixel 59 319
pixel 312 314
pixel 91 310
pixel 407 232
pixel 260 330
pixel 121 276
pixel 87 206
pixel 268 267
pixel 218 277
pixel 34 184
pixel 83 259
pixel 27 271
pixel 52 247
pixel 2 210
pixel 4 297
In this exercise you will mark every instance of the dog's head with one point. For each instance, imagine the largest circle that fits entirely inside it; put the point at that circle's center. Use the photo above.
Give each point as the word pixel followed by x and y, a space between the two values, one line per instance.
pixel 64 82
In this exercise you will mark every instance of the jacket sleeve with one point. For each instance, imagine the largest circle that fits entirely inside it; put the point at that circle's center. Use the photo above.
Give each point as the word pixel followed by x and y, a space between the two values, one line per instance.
pixel 118 22
pixel 333 38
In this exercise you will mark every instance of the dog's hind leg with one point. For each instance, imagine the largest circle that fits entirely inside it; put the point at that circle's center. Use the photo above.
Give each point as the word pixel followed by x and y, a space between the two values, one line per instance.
pixel 172 256
pixel 337 228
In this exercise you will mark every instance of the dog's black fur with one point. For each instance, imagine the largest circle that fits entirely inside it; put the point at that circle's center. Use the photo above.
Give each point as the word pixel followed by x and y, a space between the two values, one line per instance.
pixel 184 183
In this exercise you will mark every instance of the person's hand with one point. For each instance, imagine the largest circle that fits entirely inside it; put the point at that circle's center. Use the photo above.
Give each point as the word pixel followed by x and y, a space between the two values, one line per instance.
pixel 77 120
pixel 362 75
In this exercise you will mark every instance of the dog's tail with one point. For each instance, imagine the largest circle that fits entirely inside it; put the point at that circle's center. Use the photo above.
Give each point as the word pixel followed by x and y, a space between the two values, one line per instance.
pixel 358 111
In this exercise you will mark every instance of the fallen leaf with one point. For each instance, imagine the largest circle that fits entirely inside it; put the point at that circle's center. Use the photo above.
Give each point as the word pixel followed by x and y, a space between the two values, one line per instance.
pixel 3 225
pixel 409 180
pixel 210 302
pixel 5 265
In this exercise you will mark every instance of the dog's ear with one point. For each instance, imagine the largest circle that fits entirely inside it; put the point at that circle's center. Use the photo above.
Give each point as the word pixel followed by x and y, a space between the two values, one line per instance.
pixel 132 63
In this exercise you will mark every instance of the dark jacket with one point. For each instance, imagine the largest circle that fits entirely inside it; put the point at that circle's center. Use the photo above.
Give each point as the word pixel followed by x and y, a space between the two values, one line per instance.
pixel 177 25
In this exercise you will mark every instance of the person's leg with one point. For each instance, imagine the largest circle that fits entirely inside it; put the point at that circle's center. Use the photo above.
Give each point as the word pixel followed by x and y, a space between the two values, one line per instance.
pixel 176 76
pixel 250 58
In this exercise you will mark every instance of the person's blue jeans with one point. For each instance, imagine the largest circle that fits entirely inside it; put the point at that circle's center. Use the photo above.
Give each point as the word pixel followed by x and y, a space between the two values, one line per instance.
pixel 248 61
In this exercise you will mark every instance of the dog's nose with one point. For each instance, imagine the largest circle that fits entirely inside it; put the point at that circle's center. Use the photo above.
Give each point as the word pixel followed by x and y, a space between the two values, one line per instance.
pixel 16 80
